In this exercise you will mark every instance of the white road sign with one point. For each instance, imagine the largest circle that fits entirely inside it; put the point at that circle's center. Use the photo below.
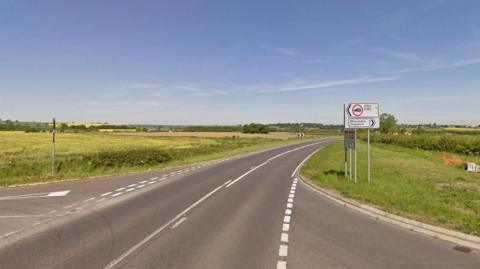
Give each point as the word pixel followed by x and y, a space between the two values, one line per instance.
pixel 362 115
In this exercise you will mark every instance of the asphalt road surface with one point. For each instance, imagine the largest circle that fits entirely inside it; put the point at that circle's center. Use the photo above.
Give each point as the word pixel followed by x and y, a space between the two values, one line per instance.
pixel 243 212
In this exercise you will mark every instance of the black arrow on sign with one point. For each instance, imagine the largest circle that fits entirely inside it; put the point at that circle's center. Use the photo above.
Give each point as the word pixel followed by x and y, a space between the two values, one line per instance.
pixel 348 109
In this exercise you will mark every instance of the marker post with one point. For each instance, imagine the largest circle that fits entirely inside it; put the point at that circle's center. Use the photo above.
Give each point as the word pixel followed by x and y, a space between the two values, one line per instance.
pixel 54 131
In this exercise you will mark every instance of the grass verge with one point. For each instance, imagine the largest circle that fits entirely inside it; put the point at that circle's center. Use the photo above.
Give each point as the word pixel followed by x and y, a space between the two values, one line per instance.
pixel 409 182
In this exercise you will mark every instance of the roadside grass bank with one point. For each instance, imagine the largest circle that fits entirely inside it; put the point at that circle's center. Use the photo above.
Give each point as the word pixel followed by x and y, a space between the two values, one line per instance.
pixel 26 157
pixel 409 182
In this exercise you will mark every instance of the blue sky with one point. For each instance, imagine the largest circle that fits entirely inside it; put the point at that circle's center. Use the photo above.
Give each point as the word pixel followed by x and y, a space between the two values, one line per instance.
pixel 229 62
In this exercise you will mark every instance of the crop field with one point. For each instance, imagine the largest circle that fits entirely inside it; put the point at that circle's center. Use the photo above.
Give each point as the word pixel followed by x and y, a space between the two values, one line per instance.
pixel 411 182
pixel 26 157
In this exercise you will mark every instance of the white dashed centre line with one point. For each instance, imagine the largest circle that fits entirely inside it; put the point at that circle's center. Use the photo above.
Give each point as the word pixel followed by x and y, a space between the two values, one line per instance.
pixel 129 190
pixel 117 194
pixel 287 219
pixel 105 194
pixel 283 251
pixel 281 265
pixel 120 189
pixel 284 238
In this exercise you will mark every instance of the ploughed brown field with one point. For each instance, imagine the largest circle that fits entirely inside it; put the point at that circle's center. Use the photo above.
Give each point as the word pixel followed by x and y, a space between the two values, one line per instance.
pixel 276 135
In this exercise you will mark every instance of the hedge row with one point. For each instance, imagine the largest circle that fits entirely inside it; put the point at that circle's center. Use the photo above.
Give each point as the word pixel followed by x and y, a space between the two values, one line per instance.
pixel 469 145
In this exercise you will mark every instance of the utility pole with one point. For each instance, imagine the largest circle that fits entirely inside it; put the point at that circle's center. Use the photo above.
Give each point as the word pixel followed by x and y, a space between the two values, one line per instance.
pixel 54 131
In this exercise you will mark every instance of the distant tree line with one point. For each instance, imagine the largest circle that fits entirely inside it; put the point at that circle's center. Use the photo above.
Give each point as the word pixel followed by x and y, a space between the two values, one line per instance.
pixel 255 128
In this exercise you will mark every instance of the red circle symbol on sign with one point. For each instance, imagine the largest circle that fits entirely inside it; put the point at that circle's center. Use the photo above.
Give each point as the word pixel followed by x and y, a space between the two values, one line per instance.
pixel 357 110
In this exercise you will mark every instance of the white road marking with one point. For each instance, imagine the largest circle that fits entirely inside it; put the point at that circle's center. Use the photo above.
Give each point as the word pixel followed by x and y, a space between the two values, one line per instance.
pixel 304 160
pixel 11 233
pixel 129 190
pixel 117 194
pixel 285 227
pixel 245 174
pixel 89 199
pixel 289 205
pixel 36 224
pixel 151 182
pixel 68 206
pixel 36 195
pixel 163 178
pixel 52 212
pixel 152 235
pixel 105 194
pixel 140 186
pixel 178 223
pixel 288 212
pixel 283 251
pixel 145 181
pixel 132 185
pixel 281 265
pixel 291 195
pixel 101 200
pixel 290 200
pixel 286 219
pixel 268 160
pixel 153 178
pixel 284 238
pixel 120 189
pixel 22 216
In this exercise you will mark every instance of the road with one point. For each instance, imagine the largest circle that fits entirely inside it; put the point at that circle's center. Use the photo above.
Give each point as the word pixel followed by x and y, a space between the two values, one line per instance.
pixel 243 212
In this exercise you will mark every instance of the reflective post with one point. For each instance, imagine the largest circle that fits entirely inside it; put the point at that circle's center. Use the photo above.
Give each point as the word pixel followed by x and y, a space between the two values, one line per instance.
pixel 54 130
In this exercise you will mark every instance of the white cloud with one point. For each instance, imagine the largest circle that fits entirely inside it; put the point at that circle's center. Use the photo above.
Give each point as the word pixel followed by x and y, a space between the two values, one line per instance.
pixel 332 83
pixel 193 90
pixel 435 66
pixel 400 55
pixel 287 51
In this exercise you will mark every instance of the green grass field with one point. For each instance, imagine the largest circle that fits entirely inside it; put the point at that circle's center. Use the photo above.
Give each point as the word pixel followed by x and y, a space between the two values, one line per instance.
pixel 409 182
pixel 26 157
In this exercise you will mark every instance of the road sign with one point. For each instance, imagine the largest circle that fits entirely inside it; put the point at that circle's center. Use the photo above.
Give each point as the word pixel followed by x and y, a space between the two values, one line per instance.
pixel 349 139
pixel 359 116
pixel 362 116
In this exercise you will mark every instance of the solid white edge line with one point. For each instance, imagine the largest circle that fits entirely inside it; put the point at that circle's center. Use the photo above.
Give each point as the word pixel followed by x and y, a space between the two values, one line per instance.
pixel 304 160
pixel 156 232
pixel 178 223
pixel 272 158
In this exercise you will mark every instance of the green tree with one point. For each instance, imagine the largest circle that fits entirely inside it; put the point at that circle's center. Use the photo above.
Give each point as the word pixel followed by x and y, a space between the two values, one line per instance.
pixel 388 123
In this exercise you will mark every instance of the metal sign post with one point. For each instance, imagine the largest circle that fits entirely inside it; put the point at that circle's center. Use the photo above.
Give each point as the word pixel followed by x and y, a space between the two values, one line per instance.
pixel 54 131
pixel 355 157
pixel 368 155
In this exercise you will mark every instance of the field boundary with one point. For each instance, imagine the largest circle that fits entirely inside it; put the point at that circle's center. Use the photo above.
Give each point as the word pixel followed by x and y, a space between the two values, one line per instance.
pixel 436 232
pixel 154 170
